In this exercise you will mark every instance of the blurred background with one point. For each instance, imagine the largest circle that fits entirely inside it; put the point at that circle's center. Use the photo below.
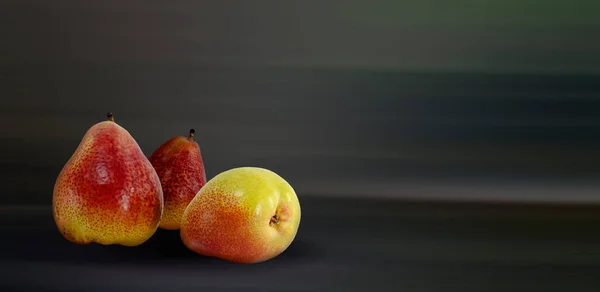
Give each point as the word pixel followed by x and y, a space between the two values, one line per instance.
pixel 434 145
pixel 477 100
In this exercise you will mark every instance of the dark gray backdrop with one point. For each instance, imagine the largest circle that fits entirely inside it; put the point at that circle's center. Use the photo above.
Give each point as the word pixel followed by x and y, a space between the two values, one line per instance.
pixel 431 99
pixel 345 98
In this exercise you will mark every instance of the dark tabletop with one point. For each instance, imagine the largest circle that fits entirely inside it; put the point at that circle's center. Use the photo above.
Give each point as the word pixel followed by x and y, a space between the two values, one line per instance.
pixel 342 245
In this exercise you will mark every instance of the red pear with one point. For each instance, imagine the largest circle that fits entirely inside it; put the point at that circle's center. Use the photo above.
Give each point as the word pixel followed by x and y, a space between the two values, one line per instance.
pixel 108 192
pixel 180 168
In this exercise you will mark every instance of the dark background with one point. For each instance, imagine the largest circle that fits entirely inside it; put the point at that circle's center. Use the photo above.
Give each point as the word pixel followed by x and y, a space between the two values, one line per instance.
pixel 444 145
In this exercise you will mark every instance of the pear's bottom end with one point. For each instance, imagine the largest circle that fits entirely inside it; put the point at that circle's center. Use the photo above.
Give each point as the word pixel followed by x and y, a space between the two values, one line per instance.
pixel 172 215
pixel 78 242
pixel 128 243
pixel 247 261
pixel 236 259
pixel 169 226
pixel 80 237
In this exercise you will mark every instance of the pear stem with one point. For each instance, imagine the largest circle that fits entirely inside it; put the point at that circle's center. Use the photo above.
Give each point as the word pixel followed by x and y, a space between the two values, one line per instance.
pixel 191 136
pixel 110 117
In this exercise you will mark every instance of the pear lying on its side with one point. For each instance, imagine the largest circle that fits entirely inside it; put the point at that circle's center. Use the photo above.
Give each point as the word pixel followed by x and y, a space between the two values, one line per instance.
pixel 178 163
pixel 243 215
pixel 108 192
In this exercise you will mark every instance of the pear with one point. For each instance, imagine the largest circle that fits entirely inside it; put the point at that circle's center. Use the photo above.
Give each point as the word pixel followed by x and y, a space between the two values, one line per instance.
pixel 107 192
pixel 243 215
pixel 179 165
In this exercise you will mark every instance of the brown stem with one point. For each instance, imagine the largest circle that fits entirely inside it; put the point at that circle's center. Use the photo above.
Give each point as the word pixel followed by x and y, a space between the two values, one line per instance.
pixel 110 117
pixel 191 136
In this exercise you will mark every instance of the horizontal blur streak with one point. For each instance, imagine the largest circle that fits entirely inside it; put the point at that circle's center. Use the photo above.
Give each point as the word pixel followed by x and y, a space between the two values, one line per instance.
pixel 393 99
pixel 320 129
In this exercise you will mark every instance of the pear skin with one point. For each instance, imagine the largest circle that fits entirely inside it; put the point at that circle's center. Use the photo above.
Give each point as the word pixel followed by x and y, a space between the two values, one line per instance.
pixel 107 192
pixel 179 165
pixel 243 215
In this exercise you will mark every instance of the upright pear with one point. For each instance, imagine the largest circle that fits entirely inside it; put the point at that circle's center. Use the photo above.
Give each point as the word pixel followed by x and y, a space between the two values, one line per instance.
pixel 108 192
pixel 180 168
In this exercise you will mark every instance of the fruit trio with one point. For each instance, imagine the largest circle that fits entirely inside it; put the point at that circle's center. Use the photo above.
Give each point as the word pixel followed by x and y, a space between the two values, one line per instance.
pixel 108 192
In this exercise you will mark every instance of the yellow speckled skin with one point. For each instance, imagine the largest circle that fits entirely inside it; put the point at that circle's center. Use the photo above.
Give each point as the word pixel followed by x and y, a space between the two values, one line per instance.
pixel 108 192
pixel 232 216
